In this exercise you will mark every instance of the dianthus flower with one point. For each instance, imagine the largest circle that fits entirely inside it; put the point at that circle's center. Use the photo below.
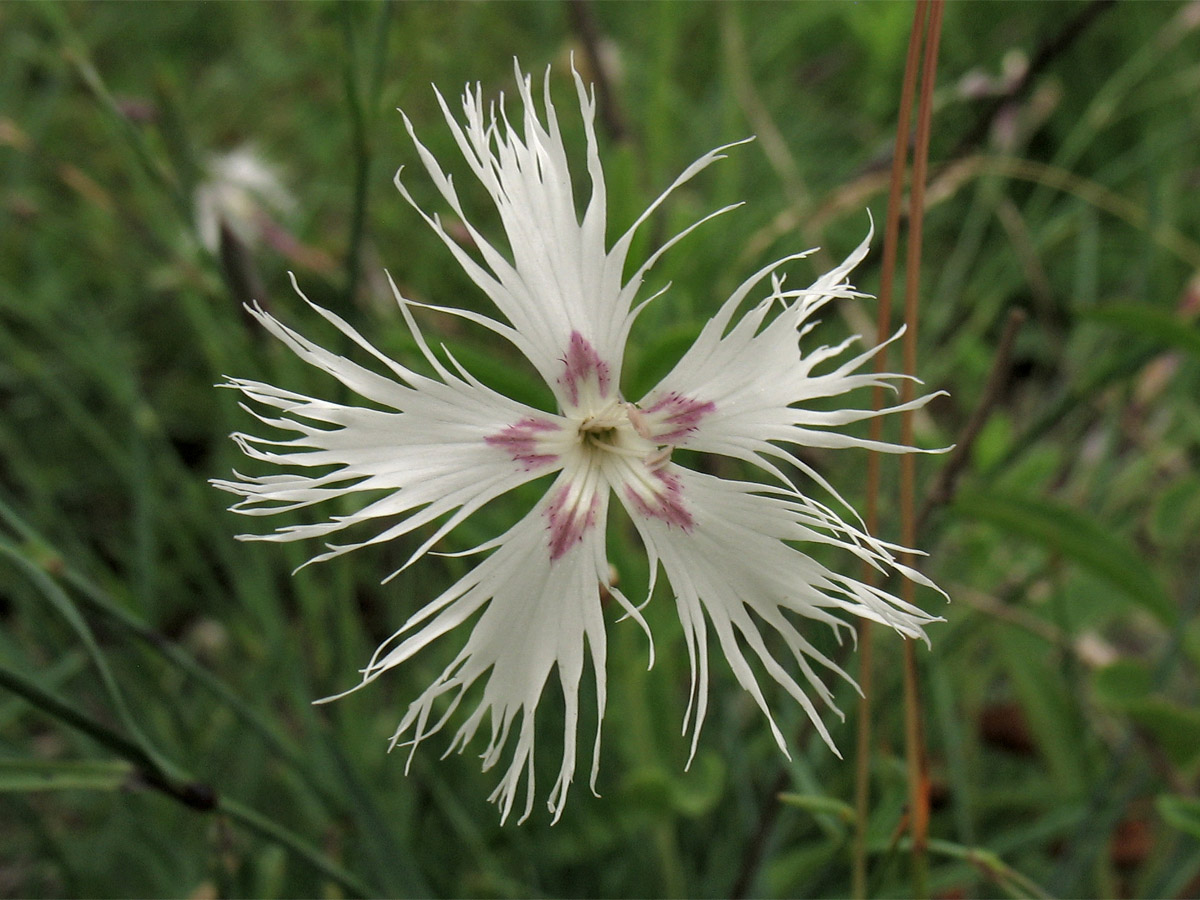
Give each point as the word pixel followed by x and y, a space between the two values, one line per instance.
pixel 240 191
pixel 442 447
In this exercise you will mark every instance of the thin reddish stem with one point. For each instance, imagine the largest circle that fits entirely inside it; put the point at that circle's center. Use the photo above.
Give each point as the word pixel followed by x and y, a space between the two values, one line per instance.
pixel 918 765
pixel 891 243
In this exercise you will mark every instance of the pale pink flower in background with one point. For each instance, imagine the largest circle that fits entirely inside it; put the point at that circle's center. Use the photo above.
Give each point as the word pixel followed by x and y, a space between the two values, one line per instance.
pixel 439 448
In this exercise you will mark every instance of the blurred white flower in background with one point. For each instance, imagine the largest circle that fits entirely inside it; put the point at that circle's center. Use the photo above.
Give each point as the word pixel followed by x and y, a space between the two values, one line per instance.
pixel 433 450
pixel 241 191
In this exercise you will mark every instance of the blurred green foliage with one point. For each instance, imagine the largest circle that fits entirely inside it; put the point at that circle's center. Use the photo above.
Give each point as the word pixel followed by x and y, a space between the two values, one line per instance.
pixel 1060 697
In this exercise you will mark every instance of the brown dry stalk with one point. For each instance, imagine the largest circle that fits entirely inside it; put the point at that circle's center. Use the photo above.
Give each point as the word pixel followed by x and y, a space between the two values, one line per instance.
pixel 583 21
pixel 891 241
pixel 918 763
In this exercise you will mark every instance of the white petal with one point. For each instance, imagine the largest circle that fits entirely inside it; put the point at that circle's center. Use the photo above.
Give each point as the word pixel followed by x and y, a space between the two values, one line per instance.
pixel 534 617
pixel 755 385
pixel 558 279
pixel 734 565
pixel 436 454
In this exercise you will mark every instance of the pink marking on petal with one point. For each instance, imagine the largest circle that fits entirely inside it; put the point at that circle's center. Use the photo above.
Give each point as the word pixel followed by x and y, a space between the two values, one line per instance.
pixel 520 441
pixel 665 503
pixel 569 523
pixel 673 417
pixel 582 363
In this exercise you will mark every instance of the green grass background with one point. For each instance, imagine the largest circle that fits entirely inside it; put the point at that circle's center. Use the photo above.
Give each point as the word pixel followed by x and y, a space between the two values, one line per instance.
pixel 139 640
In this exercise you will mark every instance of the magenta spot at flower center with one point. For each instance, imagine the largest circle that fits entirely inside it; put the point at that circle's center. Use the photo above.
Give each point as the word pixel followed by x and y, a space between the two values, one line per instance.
pixel 522 441
pixel 663 500
pixel 672 418
pixel 569 516
pixel 582 366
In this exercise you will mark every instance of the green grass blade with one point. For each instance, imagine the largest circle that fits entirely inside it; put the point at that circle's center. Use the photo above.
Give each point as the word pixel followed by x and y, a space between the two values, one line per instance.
pixel 62 602
pixel 1180 812
pixel 1145 321
pixel 818 805
pixel 173 783
pixel 21 775
pixel 1076 536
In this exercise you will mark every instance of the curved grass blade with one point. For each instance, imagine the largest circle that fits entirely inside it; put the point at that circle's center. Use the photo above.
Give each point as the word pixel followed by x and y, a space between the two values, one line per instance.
pixel 168 779
pixel 22 775
pixel 1180 812
pixel 1079 538
pixel 62 602
pixel 1145 321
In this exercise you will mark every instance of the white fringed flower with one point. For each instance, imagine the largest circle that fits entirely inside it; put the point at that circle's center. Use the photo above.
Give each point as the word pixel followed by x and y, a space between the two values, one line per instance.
pixel 240 191
pixel 442 447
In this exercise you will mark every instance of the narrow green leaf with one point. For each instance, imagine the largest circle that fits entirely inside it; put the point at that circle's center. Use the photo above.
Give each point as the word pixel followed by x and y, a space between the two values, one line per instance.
pixel 1046 704
pixel 818 804
pixel 176 784
pixel 1146 321
pixel 1175 517
pixel 1122 683
pixel 19 775
pixel 25 559
pixel 1128 686
pixel 1078 537
pixel 1175 728
pixel 701 789
pixel 1180 812
pixel 1013 882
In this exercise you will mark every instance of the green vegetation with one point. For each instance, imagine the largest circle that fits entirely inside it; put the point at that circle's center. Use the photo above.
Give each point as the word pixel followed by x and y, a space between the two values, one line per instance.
pixel 157 736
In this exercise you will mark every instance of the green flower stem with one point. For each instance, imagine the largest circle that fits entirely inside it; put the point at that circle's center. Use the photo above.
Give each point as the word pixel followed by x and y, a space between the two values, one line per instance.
pixel 991 865
pixel 168 779
pixel 362 110
pixel 66 607
pixel 47 560
pixel 40 558
pixel 52 706
pixel 274 832
pixel 76 55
